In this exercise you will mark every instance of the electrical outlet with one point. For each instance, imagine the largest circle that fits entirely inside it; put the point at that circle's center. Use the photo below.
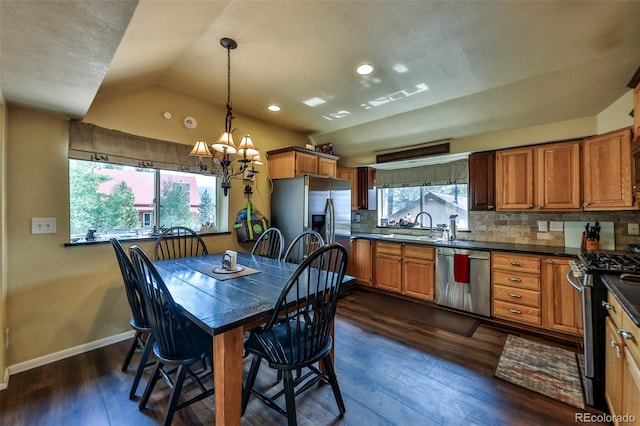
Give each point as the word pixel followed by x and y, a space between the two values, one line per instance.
pixel 43 225
pixel 633 229
pixel 556 226
pixel 542 226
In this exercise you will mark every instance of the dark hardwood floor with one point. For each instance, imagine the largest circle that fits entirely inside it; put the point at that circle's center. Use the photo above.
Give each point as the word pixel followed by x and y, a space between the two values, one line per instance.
pixel 392 371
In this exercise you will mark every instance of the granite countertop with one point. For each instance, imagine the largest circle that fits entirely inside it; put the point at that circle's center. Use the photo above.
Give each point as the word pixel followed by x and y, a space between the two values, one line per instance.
pixel 627 293
pixel 476 245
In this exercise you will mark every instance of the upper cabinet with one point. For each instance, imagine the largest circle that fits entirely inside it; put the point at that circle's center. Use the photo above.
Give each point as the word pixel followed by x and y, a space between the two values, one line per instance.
pixel 634 84
pixel 541 177
pixel 362 186
pixel 482 185
pixel 294 161
pixel 607 182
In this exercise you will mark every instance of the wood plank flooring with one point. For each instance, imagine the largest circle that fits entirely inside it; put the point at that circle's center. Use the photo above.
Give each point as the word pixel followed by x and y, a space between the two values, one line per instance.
pixel 392 371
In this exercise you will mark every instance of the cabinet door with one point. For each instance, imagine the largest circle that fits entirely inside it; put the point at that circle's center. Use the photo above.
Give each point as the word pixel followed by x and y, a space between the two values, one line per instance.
pixel 366 181
pixel 636 113
pixel 606 164
pixel 363 261
pixel 631 389
pixel 563 304
pixel 326 167
pixel 557 176
pixel 418 271
pixel 306 163
pixel 388 268
pixel 514 179
pixel 635 166
pixel 350 174
pixel 482 184
pixel 613 370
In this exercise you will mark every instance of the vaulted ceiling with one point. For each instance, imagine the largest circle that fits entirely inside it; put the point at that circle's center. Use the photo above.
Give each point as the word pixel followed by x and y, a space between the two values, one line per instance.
pixel 443 69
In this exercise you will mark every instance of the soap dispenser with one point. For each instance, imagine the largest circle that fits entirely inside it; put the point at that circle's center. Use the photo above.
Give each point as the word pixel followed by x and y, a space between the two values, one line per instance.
pixel 452 227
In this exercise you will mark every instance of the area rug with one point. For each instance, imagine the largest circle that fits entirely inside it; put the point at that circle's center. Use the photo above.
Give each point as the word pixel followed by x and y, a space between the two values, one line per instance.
pixel 545 369
pixel 419 312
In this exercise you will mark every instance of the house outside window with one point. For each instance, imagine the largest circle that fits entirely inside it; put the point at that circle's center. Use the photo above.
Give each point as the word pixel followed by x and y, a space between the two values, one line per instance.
pixel 440 201
pixel 111 200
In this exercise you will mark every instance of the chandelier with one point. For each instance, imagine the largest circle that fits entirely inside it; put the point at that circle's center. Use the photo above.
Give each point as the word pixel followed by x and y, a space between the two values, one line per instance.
pixel 222 165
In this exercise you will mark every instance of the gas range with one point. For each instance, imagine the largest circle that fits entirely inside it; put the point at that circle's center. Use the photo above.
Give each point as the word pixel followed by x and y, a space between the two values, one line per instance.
pixel 614 263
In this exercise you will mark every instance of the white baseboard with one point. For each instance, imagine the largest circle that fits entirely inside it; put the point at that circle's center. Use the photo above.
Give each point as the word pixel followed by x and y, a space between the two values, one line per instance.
pixel 5 380
pixel 66 353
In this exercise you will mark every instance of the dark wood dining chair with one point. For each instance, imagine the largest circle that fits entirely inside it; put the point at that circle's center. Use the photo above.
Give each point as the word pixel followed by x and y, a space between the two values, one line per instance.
pixel 177 242
pixel 179 345
pixel 302 246
pixel 302 336
pixel 143 338
pixel 269 244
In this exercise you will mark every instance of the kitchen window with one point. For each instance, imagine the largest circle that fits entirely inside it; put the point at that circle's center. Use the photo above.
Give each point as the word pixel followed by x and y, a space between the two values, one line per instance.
pixel 399 206
pixel 112 200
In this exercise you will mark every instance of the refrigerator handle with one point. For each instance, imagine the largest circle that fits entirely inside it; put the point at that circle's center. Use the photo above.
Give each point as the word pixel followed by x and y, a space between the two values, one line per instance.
pixel 330 228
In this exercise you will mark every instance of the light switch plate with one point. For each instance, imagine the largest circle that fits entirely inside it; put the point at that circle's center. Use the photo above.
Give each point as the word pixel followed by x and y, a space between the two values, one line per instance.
pixel 633 229
pixel 43 225
pixel 556 226
pixel 542 226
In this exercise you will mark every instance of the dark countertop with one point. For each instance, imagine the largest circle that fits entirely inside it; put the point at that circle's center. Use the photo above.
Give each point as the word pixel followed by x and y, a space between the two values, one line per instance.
pixel 627 293
pixel 478 245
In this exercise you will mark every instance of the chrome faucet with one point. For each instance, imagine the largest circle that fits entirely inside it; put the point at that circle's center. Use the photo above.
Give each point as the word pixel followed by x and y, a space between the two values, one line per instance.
pixel 415 222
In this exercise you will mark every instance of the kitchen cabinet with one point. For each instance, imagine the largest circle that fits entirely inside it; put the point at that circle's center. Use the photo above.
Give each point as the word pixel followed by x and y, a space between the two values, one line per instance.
pixel 562 304
pixel 293 161
pixel 362 183
pixel 634 84
pixel 361 258
pixel 622 358
pixel 635 168
pixel 607 180
pixel 541 177
pixel 350 174
pixel 482 184
pixel 516 288
pixel 408 269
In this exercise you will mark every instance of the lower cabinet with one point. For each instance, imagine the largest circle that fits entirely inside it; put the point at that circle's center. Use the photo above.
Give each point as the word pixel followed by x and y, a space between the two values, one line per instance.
pixel 362 265
pixel 403 268
pixel 562 304
pixel 622 361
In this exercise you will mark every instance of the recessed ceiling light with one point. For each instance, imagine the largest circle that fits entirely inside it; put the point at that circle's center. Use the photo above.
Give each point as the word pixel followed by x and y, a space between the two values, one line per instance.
pixel 364 69
pixel 400 68
pixel 274 108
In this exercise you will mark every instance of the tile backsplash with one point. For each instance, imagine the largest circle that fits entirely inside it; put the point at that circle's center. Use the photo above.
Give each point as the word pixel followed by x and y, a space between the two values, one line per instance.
pixel 517 227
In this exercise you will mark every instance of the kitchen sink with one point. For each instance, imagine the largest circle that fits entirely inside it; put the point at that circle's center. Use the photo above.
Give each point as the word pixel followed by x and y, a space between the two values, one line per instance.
pixel 425 238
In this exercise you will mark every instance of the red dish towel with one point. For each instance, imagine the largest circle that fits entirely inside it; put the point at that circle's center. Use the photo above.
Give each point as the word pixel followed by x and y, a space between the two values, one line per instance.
pixel 461 268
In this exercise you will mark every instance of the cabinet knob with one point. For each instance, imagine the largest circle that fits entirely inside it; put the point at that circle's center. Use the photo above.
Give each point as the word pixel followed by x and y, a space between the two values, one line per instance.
pixel 625 334
pixel 541 206
pixel 515 311
pixel 490 207
pixel 549 261
pixel 515 280
pixel 608 306
pixel 515 295
pixel 586 204
pixel 615 345
pixel 530 206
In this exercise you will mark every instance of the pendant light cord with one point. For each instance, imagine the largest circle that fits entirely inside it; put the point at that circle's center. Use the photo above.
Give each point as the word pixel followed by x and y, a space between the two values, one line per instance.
pixel 229 117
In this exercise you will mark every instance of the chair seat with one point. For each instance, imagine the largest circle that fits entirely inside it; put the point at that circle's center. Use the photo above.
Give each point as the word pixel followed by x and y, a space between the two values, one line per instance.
pixel 190 346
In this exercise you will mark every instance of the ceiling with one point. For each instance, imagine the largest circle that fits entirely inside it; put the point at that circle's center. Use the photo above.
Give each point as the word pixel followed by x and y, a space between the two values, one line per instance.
pixel 443 70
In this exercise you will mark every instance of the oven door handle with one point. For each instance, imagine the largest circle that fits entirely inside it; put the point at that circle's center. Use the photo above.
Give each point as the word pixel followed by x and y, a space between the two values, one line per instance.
pixel 573 284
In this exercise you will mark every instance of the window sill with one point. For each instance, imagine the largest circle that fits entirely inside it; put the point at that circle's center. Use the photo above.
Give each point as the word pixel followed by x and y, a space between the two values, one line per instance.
pixel 134 240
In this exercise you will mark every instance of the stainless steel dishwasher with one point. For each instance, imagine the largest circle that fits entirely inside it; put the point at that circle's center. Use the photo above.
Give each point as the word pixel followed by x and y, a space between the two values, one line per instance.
pixel 475 296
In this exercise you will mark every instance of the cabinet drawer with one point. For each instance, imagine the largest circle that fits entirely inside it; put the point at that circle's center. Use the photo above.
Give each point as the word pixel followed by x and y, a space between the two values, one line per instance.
pixel 615 310
pixel 516 280
pixel 517 295
pixel 389 248
pixel 633 342
pixel 419 252
pixel 518 313
pixel 516 262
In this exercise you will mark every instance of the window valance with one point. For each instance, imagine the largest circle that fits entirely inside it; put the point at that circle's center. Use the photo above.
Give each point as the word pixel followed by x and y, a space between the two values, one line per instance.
pixel 434 174
pixel 93 143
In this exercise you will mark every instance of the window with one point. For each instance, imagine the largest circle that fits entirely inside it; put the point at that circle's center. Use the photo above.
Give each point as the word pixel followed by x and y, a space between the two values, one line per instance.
pixel 440 201
pixel 108 200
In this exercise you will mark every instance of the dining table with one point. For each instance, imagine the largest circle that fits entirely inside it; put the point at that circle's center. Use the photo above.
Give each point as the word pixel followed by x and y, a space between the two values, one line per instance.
pixel 226 304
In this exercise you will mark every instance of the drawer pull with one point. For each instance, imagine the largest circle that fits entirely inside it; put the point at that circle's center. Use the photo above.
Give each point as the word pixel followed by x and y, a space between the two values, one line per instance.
pixel 615 345
pixel 515 295
pixel 515 263
pixel 625 334
pixel 608 306
pixel 515 280
pixel 515 311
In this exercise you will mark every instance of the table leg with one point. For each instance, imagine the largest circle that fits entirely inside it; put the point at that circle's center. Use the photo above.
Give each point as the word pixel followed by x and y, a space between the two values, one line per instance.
pixel 227 373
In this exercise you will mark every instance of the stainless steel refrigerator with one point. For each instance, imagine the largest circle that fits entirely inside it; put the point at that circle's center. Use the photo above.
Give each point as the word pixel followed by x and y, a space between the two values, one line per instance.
pixel 320 203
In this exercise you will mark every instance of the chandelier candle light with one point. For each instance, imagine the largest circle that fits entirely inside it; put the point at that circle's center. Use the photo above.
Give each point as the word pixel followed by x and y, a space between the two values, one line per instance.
pixel 224 147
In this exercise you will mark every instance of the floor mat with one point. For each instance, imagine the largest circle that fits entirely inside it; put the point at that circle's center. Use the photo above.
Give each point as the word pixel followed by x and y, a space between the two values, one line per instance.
pixel 545 369
pixel 418 312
